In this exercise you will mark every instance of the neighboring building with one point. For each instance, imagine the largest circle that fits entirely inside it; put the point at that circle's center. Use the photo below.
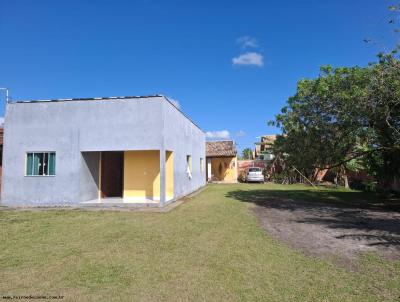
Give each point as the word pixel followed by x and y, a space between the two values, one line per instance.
pixel 263 150
pixel 244 165
pixel 140 150
pixel 221 161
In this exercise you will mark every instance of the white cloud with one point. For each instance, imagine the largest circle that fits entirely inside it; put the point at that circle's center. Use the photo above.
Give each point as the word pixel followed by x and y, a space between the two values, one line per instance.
pixel 221 134
pixel 240 133
pixel 175 102
pixel 247 41
pixel 1 121
pixel 249 58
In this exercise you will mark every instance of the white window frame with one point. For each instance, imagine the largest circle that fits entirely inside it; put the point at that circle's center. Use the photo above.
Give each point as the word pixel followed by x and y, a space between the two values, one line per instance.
pixel 37 152
pixel 189 165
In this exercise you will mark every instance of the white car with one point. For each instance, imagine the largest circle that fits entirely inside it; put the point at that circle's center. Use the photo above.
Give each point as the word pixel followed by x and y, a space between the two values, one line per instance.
pixel 254 175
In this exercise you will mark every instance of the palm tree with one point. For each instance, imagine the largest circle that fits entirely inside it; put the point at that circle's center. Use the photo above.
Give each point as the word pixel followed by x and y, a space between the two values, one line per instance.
pixel 247 153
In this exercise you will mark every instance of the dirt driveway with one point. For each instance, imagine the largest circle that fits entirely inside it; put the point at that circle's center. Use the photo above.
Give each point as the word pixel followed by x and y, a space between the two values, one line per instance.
pixel 339 230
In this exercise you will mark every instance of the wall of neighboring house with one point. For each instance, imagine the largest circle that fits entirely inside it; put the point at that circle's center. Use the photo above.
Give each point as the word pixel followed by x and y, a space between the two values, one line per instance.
pixel 78 130
pixel 224 169
pixel 243 165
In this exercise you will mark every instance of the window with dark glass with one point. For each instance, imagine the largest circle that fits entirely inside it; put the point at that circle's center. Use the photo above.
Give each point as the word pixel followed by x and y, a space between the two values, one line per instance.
pixel 41 164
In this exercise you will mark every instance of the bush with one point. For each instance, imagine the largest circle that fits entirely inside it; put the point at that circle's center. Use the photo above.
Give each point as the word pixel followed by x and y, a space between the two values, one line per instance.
pixel 365 185
pixel 286 177
pixel 242 176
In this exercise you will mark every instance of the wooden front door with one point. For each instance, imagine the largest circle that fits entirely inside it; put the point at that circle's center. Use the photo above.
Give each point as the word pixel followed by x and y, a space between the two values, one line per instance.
pixel 112 165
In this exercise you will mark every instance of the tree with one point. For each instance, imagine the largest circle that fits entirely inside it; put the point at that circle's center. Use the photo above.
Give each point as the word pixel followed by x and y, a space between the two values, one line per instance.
pixel 344 114
pixel 348 118
pixel 382 109
pixel 247 153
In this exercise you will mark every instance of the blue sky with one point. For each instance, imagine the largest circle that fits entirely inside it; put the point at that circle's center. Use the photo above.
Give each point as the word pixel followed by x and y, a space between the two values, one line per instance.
pixel 231 65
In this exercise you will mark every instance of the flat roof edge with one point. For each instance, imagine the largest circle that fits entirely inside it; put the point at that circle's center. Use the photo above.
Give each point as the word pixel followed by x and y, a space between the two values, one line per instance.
pixel 90 99
pixel 107 98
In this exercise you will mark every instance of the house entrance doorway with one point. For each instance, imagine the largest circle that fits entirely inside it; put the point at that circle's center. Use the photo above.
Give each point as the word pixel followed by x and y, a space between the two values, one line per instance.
pixel 112 171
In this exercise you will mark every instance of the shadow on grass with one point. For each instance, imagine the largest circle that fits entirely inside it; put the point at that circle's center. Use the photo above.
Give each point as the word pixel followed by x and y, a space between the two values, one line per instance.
pixel 346 199
pixel 356 216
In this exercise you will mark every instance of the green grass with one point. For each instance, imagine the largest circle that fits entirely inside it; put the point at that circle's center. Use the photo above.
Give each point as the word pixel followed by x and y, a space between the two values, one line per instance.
pixel 209 249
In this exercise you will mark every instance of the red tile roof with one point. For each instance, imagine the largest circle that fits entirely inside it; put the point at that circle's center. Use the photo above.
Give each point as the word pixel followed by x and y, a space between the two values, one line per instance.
pixel 220 149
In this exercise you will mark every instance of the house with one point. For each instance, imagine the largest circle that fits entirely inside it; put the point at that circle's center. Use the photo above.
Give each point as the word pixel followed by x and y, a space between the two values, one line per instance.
pixel 1 151
pixel 138 150
pixel 221 161
pixel 263 149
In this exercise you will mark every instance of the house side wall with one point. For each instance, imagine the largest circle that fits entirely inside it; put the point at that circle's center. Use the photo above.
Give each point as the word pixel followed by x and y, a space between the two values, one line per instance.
pixel 69 128
pixel 184 138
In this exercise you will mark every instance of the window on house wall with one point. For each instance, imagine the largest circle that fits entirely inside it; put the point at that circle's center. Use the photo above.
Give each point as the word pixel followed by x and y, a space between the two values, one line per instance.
pixel 41 164
pixel 201 164
pixel 189 165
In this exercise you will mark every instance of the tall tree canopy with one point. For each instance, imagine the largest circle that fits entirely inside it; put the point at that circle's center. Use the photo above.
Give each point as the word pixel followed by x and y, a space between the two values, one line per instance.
pixel 345 114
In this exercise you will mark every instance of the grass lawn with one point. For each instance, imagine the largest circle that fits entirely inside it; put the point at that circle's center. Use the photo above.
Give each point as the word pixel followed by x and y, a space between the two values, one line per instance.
pixel 210 248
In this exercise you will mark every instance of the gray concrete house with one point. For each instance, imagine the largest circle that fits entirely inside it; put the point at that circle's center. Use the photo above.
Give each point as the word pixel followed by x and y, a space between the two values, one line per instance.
pixel 137 150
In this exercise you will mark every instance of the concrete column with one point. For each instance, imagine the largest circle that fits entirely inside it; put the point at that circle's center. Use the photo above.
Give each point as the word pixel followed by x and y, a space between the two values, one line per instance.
pixel 208 169
pixel 236 169
pixel 162 177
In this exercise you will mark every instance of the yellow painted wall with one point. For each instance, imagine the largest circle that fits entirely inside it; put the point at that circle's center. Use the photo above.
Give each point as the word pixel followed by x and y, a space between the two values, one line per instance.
pixel 224 168
pixel 142 174
pixel 169 175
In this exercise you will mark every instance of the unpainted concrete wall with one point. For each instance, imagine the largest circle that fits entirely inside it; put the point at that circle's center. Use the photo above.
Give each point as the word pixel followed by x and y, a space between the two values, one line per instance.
pixel 89 176
pixel 184 138
pixel 72 127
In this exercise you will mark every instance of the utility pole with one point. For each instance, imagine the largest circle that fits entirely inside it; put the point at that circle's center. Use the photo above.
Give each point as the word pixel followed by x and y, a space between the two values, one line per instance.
pixel 7 94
